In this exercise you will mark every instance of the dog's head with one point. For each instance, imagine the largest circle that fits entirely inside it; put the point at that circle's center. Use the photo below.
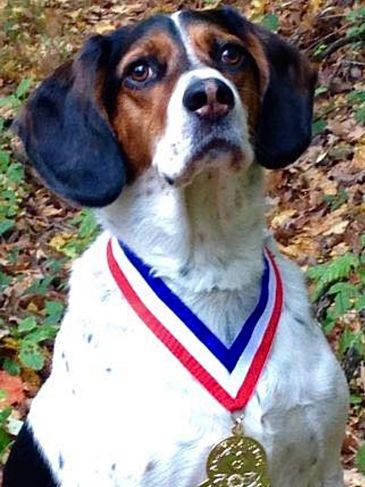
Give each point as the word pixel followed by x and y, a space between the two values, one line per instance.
pixel 179 93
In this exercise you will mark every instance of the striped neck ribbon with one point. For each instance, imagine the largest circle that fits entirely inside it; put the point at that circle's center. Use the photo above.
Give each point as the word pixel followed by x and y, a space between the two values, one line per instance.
pixel 228 373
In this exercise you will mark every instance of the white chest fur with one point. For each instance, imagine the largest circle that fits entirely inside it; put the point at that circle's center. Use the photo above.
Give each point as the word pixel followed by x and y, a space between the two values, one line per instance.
pixel 120 410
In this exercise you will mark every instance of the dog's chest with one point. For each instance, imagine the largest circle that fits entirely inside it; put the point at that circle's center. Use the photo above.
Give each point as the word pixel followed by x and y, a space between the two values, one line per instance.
pixel 120 410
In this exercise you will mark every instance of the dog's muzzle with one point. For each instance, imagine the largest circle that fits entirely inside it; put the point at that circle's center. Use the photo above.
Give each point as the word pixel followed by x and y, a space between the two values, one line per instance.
pixel 206 128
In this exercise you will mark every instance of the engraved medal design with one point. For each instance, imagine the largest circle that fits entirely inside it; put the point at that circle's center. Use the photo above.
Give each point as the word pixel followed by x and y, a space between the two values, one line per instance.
pixel 237 461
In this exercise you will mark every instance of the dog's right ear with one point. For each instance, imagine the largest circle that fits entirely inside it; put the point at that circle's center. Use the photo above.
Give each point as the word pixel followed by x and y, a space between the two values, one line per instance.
pixel 66 132
pixel 284 128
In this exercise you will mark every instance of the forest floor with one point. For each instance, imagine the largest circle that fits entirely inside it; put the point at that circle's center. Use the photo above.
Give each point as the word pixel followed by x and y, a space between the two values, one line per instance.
pixel 315 208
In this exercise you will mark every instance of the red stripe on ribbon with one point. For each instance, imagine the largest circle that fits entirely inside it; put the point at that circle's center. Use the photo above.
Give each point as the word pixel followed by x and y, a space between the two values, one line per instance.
pixel 182 354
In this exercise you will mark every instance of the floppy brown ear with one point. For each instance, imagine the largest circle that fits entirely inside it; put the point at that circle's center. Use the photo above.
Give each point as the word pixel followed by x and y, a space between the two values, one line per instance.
pixel 66 132
pixel 284 128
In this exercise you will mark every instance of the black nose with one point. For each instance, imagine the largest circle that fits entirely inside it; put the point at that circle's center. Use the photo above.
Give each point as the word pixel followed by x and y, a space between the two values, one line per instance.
pixel 209 98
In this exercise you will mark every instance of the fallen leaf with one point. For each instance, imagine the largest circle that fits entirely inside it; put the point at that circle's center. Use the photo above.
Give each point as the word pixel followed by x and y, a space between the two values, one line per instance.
pixel 282 217
pixel 13 388
pixel 337 228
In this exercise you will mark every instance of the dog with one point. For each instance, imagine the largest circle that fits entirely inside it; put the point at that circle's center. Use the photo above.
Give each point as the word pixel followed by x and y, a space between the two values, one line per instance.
pixel 164 128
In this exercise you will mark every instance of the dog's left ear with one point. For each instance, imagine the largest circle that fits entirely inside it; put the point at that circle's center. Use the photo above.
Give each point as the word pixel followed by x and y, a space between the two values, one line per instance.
pixel 284 128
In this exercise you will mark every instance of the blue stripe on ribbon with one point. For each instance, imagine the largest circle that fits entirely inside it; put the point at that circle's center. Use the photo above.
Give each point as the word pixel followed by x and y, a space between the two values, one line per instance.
pixel 227 356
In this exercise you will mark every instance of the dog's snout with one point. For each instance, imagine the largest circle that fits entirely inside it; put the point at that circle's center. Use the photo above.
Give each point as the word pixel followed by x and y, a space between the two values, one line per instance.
pixel 209 98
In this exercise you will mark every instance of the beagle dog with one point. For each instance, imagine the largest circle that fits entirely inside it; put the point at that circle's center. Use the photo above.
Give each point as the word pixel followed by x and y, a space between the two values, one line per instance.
pixel 164 127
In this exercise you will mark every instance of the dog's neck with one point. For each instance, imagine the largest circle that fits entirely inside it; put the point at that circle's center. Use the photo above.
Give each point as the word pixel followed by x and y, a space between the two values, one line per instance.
pixel 205 239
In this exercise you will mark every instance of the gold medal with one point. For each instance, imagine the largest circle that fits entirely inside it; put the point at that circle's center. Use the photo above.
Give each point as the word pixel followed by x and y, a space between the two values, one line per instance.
pixel 237 461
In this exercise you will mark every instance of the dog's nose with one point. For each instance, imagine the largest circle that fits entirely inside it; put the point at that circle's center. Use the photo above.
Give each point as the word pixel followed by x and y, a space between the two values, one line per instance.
pixel 209 98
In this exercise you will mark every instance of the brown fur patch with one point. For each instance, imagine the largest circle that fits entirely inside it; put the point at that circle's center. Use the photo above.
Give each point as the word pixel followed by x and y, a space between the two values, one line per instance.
pixel 252 87
pixel 202 37
pixel 140 117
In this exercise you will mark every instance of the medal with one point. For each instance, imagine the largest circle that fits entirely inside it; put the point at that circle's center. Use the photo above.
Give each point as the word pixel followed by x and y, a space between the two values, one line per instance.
pixel 237 461
pixel 228 373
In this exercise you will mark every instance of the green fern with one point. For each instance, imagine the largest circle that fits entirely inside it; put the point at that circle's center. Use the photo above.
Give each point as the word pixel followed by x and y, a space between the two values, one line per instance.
pixel 329 273
pixel 342 283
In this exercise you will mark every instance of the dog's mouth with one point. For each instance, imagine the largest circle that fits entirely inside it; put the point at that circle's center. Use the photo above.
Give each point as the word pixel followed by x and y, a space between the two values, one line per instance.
pixel 212 152
pixel 215 149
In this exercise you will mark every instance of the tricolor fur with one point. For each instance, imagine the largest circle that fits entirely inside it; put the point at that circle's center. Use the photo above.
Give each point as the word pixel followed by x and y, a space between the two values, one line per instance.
pixel 173 163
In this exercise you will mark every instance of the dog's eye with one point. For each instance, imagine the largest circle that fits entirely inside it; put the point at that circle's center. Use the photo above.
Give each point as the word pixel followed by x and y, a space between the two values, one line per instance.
pixel 231 55
pixel 141 72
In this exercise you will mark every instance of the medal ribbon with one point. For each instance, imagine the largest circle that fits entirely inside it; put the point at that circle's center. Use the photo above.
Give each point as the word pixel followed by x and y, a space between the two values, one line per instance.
pixel 229 374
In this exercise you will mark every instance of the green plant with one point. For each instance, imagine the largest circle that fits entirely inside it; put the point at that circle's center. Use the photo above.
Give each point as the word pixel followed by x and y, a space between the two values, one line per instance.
pixel 16 99
pixel 354 34
pixel 210 3
pixel 360 459
pixel 319 50
pixel 9 425
pixel 5 280
pixel 27 342
pixel 29 335
pixel 321 90
pixel 357 99
pixel 318 126
pixel 337 200
pixel 86 230
pixel 340 284
pixel 11 171
pixel 5 438
pixel 271 22
pixel 357 23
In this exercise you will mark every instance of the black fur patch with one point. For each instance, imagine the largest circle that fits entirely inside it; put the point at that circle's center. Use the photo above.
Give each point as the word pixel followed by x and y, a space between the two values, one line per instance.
pixel 26 466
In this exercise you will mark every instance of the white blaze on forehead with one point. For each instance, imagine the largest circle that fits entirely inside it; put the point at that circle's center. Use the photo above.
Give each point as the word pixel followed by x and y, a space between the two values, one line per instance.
pixel 176 18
